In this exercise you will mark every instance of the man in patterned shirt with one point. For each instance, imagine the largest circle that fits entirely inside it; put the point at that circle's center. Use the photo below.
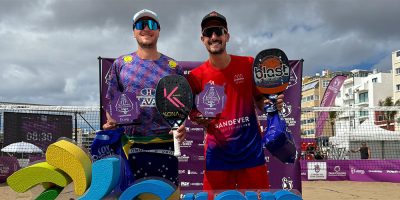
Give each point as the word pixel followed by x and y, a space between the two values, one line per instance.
pixel 151 153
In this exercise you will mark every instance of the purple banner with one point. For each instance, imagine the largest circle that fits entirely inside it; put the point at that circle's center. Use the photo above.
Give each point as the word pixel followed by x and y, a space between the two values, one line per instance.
pixel 8 165
pixel 281 175
pixel 328 100
pixel 352 170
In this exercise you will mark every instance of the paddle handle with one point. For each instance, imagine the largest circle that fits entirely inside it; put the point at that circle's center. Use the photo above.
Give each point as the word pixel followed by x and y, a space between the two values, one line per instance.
pixel 177 146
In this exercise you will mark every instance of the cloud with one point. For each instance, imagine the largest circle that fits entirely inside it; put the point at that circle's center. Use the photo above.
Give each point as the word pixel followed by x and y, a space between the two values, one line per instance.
pixel 49 48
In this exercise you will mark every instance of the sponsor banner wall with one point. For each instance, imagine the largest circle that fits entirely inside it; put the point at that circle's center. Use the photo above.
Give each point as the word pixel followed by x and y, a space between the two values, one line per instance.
pixel 352 170
pixel 191 162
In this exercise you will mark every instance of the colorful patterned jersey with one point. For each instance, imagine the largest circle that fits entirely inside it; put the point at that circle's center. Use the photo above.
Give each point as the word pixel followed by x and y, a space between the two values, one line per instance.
pixel 233 140
pixel 130 73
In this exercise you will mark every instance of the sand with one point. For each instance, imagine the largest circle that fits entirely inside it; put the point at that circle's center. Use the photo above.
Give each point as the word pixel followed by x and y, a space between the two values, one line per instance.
pixel 312 190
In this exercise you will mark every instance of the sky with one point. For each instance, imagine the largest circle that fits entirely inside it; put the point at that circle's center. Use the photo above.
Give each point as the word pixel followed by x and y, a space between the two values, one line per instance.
pixel 49 48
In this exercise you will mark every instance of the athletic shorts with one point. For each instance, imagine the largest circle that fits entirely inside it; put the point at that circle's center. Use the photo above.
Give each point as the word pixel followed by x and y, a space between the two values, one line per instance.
pixel 254 178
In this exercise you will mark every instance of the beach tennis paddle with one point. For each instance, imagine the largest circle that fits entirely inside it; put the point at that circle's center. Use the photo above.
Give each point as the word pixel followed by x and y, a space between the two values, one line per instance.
pixel 271 74
pixel 174 100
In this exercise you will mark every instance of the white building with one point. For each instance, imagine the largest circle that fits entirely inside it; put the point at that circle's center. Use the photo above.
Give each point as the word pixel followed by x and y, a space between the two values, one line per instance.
pixel 364 89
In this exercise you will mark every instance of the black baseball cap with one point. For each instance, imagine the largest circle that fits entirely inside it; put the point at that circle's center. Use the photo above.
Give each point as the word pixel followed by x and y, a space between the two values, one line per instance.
pixel 216 17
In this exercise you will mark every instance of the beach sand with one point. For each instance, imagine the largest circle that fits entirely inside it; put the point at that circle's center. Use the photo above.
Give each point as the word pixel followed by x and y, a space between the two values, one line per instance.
pixel 312 190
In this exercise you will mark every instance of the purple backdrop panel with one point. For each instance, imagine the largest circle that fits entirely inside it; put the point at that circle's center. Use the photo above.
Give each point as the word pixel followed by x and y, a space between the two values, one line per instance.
pixel 8 165
pixel 288 176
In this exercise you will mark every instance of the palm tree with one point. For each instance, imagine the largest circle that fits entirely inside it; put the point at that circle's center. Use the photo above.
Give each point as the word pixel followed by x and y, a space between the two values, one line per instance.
pixel 388 116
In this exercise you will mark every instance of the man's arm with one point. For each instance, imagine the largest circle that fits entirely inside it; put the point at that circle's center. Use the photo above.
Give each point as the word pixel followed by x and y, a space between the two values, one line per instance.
pixel 369 153
pixel 110 124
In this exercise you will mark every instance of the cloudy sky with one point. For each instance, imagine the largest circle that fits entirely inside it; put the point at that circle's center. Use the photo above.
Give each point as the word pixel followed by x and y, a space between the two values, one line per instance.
pixel 49 48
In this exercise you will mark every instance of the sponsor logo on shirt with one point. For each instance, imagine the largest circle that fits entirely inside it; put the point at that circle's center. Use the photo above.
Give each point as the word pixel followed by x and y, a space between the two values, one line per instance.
pixel 172 64
pixel 233 122
pixel 238 78
pixel 147 97
pixel 128 59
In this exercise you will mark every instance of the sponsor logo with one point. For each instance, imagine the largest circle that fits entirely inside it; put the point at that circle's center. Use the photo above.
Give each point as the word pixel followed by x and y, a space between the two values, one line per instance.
pixel 187 143
pixel 183 158
pixel 317 168
pixel 337 172
pixel 185 184
pixel 172 64
pixel 271 73
pixel 232 122
pixel 147 97
pixel 357 171
pixel 197 129
pixel 127 59
pixel 196 184
pixel 375 171
pixel 181 171
pixel 392 171
pixel 191 172
pixel 287 183
pixel 286 109
pixel 238 78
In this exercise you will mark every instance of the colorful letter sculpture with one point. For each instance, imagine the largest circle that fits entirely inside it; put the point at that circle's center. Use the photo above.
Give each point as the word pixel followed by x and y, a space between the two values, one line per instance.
pixel 73 161
pixel 28 177
pixel 105 176
pixel 66 163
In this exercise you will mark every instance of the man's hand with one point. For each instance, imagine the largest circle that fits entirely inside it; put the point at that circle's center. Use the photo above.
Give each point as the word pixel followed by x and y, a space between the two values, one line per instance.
pixel 110 124
pixel 181 133
pixel 264 101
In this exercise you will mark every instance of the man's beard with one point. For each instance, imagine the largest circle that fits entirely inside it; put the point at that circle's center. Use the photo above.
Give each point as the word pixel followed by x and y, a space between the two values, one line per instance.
pixel 216 52
pixel 147 45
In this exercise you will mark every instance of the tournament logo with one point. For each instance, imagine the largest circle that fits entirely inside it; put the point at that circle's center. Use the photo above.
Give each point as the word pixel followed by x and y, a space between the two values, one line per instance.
pixel 317 168
pixel 128 59
pixel 293 79
pixel 287 183
pixel 211 98
pixel 172 64
pixel 124 104
pixel 336 168
pixel 286 109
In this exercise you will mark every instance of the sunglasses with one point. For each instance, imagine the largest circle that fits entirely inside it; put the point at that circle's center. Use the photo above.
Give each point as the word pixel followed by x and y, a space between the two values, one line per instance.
pixel 208 32
pixel 141 24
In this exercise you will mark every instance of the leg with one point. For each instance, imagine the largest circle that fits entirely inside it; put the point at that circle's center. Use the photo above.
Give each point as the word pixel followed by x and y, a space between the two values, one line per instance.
pixel 215 181
pixel 253 178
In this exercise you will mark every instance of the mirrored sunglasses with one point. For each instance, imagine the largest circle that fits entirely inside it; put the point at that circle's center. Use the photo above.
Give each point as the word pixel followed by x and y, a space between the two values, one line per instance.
pixel 141 24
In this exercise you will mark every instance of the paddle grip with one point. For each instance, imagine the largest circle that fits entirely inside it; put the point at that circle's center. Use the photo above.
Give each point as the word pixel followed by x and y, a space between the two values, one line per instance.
pixel 177 146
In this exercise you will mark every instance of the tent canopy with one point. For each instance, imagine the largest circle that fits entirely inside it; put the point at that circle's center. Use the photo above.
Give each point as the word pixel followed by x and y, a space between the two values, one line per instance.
pixel 21 147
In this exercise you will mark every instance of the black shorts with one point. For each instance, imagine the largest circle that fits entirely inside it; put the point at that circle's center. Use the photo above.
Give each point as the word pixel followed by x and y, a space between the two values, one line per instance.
pixel 155 161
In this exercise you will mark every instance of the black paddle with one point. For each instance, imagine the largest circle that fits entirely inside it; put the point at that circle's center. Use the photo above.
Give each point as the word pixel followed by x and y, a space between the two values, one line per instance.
pixel 174 100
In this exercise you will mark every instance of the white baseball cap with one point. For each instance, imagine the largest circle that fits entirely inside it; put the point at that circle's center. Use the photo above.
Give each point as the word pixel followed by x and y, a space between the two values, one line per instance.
pixel 145 13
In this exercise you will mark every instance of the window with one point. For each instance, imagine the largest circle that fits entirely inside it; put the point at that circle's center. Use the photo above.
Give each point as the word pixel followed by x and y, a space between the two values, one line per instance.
pixel 363 97
pixel 397 70
pixel 398 87
pixel 374 80
pixel 363 113
pixel 398 53
pixel 325 84
pixel 380 118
